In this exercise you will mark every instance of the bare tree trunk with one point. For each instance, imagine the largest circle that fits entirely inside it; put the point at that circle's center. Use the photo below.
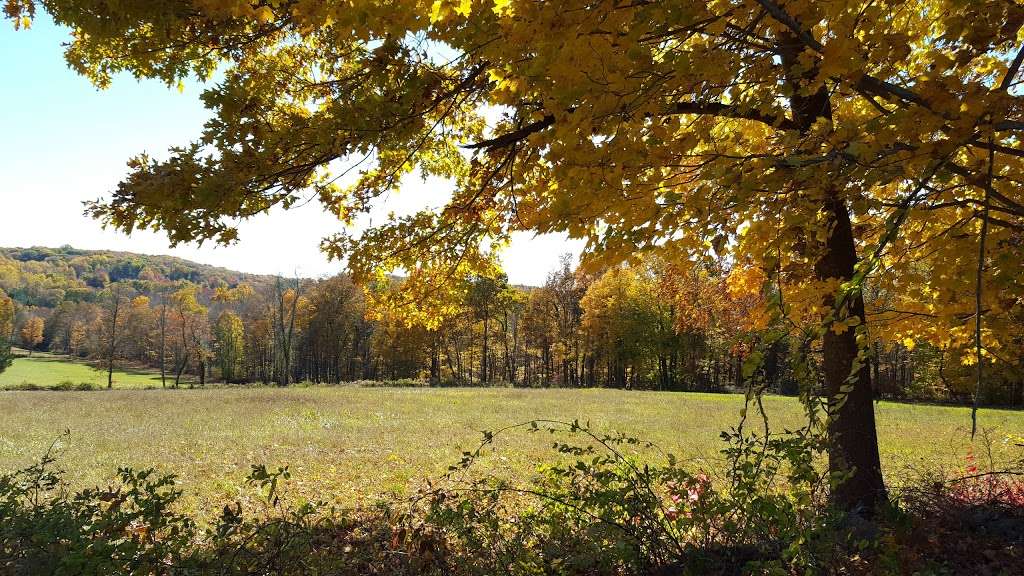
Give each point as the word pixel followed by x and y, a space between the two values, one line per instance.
pixel 163 345
pixel 285 334
pixel 181 369
pixel 484 377
pixel 115 310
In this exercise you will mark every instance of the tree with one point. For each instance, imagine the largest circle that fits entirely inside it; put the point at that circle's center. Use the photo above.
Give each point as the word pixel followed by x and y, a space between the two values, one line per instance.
pixel 483 296
pixel 162 337
pixel 830 144
pixel 32 333
pixel 511 303
pixel 228 346
pixel 140 330
pixel 6 330
pixel 113 319
pixel 190 317
pixel 334 323
pixel 286 305
pixel 621 318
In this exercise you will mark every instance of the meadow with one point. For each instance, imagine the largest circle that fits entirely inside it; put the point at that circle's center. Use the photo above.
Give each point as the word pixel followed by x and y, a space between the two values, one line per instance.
pixel 349 445
pixel 44 370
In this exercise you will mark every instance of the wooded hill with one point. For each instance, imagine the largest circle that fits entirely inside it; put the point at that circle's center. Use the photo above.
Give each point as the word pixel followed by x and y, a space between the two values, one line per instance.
pixel 45 277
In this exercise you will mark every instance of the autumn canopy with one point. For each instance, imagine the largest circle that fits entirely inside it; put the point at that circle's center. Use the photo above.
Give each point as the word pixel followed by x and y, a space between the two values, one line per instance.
pixel 826 150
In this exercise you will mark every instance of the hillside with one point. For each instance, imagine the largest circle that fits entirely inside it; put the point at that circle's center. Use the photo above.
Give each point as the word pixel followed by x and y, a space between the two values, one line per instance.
pixel 45 277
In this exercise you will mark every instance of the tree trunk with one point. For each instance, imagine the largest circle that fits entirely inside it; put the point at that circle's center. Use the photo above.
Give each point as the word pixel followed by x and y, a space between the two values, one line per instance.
pixel 163 345
pixel 435 361
pixel 853 439
pixel 484 377
pixel 181 369
pixel 113 338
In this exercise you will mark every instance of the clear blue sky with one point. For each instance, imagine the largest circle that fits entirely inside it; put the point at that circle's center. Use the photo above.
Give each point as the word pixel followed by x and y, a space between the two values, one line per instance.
pixel 64 142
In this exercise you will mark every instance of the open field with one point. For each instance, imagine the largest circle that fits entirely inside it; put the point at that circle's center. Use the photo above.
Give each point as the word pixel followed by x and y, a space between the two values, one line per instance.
pixel 344 444
pixel 48 371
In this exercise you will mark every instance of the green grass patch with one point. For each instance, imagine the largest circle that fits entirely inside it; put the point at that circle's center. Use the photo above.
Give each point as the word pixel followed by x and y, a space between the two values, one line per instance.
pixel 45 371
pixel 347 445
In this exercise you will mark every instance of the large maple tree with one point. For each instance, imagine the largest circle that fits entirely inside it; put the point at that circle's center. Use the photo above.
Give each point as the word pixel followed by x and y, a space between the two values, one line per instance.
pixel 828 143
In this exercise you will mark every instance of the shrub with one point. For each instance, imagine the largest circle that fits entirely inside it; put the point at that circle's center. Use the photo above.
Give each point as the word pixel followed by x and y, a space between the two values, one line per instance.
pixel 63 386
pixel 599 510
pixel 132 528
pixel 26 387
pixel 127 529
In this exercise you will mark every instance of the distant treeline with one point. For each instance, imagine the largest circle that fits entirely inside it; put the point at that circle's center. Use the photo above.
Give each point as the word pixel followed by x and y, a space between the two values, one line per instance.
pixel 648 326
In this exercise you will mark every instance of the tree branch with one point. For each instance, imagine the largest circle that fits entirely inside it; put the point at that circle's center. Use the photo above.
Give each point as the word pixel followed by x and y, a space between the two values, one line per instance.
pixel 1011 72
pixel 991 146
pixel 867 83
pixel 725 110
pixel 513 137
pixel 699 108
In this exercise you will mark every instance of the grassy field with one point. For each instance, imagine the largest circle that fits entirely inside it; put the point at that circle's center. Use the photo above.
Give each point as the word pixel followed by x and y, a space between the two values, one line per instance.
pixel 48 371
pixel 346 444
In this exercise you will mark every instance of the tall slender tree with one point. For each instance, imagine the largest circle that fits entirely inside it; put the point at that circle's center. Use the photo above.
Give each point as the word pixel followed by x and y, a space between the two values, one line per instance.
pixel 116 297
pixel 229 341
pixel 286 304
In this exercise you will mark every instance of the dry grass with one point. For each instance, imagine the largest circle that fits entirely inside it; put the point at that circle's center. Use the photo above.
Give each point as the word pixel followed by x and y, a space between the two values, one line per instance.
pixel 348 444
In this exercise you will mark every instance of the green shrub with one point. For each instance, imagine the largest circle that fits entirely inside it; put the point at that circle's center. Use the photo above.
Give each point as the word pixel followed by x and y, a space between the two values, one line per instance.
pixel 133 528
pixel 600 510
pixel 127 529
pixel 25 386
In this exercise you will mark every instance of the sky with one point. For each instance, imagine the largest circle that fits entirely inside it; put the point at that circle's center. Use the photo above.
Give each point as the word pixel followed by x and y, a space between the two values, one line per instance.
pixel 63 142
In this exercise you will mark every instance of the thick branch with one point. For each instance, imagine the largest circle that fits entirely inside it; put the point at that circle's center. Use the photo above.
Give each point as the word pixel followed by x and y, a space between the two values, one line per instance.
pixel 866 83
pixel 699 108
pixel 998 148
pixel 783 17
pixel 725 110
pixel 1009 125
pixel 1011 72
pixel 513 137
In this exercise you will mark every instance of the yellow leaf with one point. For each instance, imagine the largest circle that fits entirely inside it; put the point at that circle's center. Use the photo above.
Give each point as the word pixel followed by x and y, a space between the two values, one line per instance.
pixel 264 14
pixel 437 11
